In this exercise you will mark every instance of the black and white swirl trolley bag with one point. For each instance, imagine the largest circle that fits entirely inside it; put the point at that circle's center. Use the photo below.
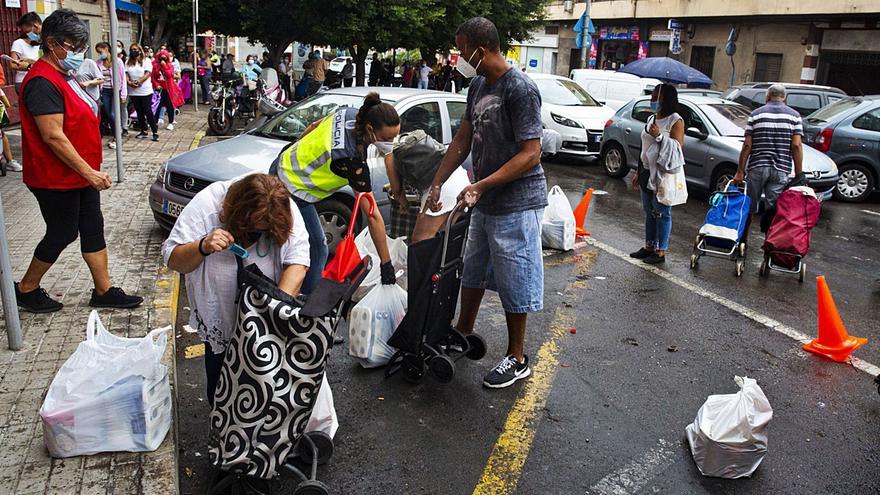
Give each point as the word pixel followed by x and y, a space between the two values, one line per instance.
pixel 272 371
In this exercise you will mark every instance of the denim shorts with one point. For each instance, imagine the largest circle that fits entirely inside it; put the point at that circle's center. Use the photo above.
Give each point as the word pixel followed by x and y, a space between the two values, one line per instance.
pixel 504 254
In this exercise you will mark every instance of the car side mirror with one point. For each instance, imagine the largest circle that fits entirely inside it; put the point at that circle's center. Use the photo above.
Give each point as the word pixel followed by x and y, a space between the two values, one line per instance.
pixel 696 133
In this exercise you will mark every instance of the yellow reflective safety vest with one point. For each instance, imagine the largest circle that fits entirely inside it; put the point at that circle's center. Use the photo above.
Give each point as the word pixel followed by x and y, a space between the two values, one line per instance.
pixel 304 166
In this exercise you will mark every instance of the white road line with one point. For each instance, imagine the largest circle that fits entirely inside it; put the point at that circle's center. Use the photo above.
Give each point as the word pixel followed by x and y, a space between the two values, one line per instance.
pixel 869 212
pixel 768 322
pixel 635 475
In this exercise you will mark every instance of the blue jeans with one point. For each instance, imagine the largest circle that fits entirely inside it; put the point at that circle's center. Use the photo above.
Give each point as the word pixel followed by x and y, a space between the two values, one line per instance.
pixel 423 84
pixel 107 104
pixel 318 251
pixel 504 254
pixel 658 221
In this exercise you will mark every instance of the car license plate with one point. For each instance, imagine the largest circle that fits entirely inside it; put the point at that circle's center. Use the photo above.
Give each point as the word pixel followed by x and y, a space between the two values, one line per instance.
pixel 171 208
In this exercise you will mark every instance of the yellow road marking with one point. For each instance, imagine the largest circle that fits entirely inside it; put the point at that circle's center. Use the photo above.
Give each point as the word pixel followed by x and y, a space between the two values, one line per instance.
pixel 505 464
pixel 197 140
pixel 194 351
pixel 175 298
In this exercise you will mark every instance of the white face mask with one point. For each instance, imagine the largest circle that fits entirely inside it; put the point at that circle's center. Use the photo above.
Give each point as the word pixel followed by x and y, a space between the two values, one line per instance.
pixel 384 147
pixel 465 68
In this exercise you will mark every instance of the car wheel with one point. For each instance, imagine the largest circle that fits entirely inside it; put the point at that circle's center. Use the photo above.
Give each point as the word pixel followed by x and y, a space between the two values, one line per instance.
pixel 721 177
pixel 854 183
pixel 334 216
pixel 614 161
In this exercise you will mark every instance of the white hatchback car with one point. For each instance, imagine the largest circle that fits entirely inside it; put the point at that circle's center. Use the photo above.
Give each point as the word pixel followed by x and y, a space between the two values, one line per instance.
pixel 569 110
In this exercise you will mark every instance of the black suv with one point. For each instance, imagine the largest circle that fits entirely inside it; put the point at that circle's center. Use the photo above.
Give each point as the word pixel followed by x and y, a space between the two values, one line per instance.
pixel 805 98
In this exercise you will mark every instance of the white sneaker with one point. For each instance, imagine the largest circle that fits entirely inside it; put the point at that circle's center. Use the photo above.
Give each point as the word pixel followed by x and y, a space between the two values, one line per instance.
pixel 13 166
pixel 112 145
pixel 161 121
pixel 170 127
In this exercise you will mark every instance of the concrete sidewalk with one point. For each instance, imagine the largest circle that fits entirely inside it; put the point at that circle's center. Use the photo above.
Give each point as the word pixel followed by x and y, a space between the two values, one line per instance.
pixel 134 242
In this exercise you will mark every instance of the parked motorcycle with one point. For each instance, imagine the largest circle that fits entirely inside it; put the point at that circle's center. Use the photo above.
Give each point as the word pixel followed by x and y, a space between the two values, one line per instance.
pixel 231 103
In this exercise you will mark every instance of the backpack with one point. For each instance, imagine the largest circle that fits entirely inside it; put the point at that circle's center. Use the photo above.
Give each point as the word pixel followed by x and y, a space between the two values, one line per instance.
pixel 417 157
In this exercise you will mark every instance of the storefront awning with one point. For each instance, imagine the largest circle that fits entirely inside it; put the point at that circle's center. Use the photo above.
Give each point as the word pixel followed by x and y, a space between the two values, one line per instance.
pixel 129 7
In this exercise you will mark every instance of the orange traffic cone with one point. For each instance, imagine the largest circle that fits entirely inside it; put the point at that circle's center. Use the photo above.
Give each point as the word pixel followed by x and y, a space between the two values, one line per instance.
pixel 580 213
pixel 833 341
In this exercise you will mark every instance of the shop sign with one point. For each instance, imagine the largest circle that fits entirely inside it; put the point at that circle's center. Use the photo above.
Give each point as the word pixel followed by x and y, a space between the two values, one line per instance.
pixel 643 49
pixel 619 33
pixel 15 4
pixel 533 62
pixel 675 42
pixel 675 24
pixel 661 35
pixel 594 53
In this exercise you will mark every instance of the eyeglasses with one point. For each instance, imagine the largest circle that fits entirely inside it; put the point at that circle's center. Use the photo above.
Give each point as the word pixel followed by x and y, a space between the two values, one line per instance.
pixel 73 48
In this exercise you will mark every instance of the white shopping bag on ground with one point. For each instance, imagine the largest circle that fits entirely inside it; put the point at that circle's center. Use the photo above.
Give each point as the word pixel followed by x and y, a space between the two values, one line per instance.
pixel 728 437
pixel 372 322
pixel 112 394
pixel 323 416
pixel 558 226
pixel 397 249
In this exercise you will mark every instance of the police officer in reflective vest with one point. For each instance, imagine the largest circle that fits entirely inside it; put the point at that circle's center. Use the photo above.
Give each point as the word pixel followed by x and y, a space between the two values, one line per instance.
pixel 330 155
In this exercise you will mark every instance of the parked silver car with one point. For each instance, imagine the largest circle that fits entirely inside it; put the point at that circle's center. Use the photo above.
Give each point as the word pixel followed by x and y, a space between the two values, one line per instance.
pixel 713 140
pixel 437 113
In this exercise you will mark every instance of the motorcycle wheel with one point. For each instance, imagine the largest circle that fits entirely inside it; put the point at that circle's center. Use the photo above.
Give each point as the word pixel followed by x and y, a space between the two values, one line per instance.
pixel 219 124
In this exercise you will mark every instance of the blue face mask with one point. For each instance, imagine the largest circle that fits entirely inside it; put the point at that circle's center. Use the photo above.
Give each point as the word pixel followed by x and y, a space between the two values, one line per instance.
pixel 72 61
pixel 103 56
pixel 34 37
pixel 655 106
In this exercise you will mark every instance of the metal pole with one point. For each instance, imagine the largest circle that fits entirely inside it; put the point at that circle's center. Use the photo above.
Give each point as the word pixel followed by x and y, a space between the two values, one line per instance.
pixel 117 107
pixel 586 42
pixel 195 80
pixel 7 289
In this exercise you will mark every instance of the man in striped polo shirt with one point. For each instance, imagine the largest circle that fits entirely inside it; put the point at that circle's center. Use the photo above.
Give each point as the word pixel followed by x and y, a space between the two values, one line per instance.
pixel 772 144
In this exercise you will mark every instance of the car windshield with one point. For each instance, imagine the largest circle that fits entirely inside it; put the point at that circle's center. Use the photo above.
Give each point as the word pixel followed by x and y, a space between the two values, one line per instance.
pixel 291 123
pixel 729 118
pixel 833 110
pixel 564 92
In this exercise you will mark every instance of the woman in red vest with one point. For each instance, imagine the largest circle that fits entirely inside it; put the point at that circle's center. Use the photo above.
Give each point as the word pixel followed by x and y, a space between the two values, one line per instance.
pixel 62 155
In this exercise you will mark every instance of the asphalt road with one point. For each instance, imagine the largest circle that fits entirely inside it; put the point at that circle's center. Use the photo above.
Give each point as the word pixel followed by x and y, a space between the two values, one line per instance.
pixel 606 409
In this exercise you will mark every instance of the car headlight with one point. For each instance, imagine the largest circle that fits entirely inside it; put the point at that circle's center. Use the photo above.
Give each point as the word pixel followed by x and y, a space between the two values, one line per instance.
pixel 565 121
pixel 160 175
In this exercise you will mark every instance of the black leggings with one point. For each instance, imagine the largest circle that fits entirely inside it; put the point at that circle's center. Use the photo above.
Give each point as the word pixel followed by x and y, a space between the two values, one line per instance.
pixel 142 106
pixel 165 101
pixel 213 366
pixel 68 213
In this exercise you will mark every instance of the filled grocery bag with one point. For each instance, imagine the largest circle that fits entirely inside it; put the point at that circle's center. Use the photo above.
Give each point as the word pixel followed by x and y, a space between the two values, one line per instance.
pixel 112 394
pixel 558 227
pixel 397 249
pixel 373 320
pixel 728 437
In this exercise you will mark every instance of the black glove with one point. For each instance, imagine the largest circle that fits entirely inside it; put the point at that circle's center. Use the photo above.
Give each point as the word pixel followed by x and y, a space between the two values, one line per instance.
pixel 387 270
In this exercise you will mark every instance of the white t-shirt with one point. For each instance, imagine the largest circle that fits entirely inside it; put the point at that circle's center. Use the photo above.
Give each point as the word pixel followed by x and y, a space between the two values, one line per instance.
pixel 24 49
pixel 136 72
pixel 211 288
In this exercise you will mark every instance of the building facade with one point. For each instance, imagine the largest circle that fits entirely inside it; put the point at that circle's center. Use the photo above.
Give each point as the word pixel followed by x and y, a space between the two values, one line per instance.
pixel 833 42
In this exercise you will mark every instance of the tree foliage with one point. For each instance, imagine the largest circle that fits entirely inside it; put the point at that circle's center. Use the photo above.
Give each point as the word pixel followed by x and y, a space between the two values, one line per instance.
pixel 165 20
pixel 361 25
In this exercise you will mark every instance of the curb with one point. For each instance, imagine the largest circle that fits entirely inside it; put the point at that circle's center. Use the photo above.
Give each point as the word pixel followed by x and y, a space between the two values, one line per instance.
pixel 161 467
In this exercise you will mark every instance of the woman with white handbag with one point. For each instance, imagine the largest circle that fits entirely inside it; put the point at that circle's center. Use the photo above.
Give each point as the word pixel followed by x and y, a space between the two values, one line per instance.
pixel 660 174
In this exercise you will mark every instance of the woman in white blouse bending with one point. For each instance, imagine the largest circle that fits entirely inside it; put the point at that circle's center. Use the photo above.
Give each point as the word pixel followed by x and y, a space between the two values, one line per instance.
pixel 255 212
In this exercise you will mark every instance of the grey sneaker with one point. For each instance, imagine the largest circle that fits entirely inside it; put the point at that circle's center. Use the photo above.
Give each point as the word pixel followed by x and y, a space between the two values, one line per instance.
pixel 507 372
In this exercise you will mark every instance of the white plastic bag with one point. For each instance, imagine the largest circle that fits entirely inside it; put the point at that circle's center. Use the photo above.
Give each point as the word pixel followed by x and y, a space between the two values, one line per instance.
pixel 112 394
pixel 558 225
pixel 673 190
pixel 323 416
pixel 372 322
pixel 728 438
pixel 397 249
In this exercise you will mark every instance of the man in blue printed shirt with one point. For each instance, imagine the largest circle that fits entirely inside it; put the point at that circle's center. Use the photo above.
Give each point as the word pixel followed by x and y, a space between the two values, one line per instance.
pixel 501 129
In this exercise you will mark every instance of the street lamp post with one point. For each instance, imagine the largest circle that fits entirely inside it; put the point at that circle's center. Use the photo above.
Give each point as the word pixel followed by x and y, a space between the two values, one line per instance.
pixel 117 110
pixel 195 80
pixel 586 43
